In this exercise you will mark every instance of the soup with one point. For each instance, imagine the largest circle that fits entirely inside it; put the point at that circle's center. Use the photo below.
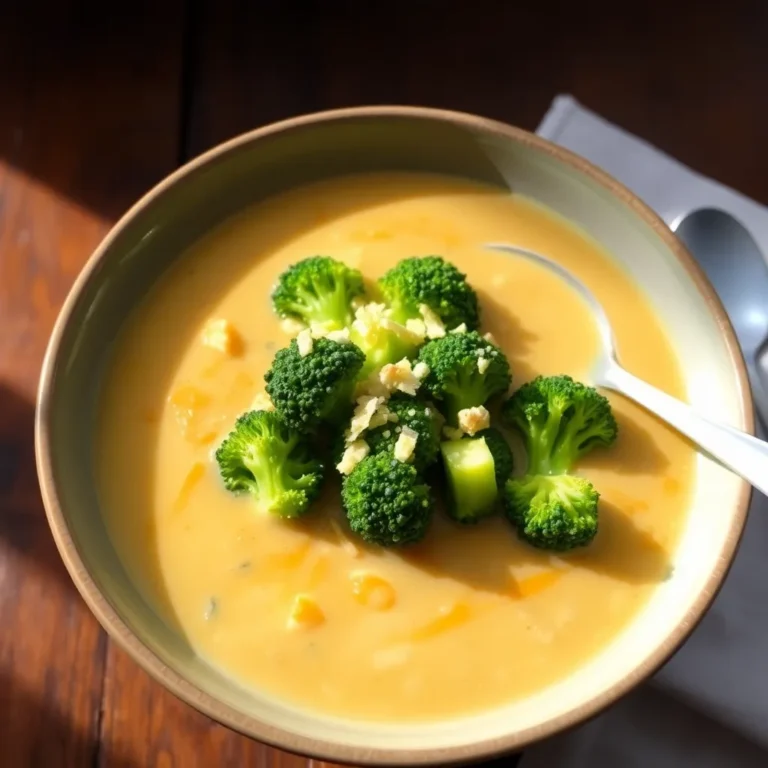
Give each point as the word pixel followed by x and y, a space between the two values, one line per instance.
pixel 470 617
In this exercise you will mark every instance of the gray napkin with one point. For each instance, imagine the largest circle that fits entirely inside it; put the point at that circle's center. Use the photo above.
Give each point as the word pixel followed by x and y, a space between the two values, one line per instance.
pixel 709 705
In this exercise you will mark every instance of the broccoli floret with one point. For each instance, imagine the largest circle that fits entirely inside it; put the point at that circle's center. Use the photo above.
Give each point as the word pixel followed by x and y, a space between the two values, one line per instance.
pixel 264 457
pixel 556 512
pixel 421 417
pixel 386 501
pixel 503 460
pixel 318 290
pixel 432 281
pixel 316 388
pixel 456 380
pixel 560 421
pixel 382 339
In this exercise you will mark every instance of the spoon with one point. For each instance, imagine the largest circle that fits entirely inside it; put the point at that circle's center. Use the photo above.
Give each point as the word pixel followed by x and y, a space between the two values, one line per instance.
pixel 743 454
pixel 736 268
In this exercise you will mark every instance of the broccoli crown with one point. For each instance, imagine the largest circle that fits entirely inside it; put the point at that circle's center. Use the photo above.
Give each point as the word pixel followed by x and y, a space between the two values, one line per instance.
pixel 386 501
pixel 455 378
pixel 318 289
pixel 503 461
pixel 435 282
pixel 264 457
pixel 421 417
pixel 560 420
pixel 556 512
pixel 317 387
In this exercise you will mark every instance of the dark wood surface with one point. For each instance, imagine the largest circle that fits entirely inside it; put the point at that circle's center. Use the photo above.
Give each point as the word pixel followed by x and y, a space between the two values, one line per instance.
pixel 100 101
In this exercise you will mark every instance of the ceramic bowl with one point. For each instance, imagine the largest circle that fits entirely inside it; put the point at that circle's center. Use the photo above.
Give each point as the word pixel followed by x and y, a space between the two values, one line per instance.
pixel 227 178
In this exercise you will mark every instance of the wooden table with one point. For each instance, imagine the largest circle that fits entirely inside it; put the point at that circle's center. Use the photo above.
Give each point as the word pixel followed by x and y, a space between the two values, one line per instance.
pixel 96 105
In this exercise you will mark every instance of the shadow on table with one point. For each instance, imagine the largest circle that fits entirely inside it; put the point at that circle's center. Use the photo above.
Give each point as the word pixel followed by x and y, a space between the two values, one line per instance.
pixel 43 736
pixel 23 525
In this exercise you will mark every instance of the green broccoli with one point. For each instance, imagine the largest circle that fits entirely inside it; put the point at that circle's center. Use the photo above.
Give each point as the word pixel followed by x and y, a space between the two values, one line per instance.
pixel 556 512
pixel 315 388
pixel 386 501
pixel 503 460
pixel 432 281
pixel 457 379
pixel 318 290
pixel 560 421
pixel 421 417
pixel 382 339
pixel 264 457
pixel 476 469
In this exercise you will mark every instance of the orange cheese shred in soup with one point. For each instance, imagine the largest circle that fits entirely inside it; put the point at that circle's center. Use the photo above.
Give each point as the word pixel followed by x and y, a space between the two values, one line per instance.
pixel 470 617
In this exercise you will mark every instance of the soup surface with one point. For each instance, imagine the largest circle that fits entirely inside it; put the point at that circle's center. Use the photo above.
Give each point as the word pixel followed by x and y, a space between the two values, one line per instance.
pixel 467 619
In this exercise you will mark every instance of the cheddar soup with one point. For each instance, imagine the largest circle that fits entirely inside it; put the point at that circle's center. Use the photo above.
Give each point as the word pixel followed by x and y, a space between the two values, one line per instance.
pixel 469 618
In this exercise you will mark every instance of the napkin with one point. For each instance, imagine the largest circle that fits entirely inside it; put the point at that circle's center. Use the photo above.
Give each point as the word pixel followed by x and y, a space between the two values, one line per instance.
pixel 708 706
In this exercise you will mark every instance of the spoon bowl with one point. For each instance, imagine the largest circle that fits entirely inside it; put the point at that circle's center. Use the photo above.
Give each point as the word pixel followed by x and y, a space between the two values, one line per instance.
pixel 737 269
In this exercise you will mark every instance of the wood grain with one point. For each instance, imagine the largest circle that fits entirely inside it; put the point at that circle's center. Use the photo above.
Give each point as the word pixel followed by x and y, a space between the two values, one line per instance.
pixel 144 725
pixel 87 122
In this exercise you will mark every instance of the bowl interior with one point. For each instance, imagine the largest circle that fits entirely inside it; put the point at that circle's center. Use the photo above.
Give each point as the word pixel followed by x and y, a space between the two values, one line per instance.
pixel 162 226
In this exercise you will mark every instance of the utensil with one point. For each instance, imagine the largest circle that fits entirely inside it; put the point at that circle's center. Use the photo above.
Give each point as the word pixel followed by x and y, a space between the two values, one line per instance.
pixel 737 269
pixel 743 454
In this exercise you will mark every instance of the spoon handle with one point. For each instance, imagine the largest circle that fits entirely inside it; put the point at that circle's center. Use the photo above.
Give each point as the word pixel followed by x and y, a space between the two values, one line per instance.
pixel 743 454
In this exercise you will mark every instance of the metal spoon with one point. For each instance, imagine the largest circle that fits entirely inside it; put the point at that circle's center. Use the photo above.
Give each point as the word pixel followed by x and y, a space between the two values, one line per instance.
pixel 737 270
pixel 743 454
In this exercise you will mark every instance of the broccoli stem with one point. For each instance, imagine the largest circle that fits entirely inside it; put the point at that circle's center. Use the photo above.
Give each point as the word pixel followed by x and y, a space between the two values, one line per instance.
pixel 470 391
pixel 540 446
pixel 471 478
pixel 576 440
pixel 330 306
pixel 271 476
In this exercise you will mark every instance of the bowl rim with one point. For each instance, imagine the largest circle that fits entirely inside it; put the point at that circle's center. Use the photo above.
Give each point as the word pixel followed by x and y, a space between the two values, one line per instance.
pixel 320 748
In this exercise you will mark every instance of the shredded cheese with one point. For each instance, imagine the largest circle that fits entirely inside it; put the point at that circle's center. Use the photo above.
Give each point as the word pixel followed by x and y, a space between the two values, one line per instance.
pixel 340 337
pixel 353 455
pixel 434 325
pixel 381 416
pixel 320 330
pixel 372 386
pixel 368 317
pixel 304 342
pixel 462 328
pixel 367 405
pixel 482 364
pixel 292 326
pixel 399 376
pixel 473 420
pixel 417 327
pixel 406 444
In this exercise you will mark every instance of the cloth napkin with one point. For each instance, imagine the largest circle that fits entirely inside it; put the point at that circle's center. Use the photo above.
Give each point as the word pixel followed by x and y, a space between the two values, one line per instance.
pixel 708 706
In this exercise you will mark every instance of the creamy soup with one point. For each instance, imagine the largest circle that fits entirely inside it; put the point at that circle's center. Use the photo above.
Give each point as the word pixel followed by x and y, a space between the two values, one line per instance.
pixel 468 619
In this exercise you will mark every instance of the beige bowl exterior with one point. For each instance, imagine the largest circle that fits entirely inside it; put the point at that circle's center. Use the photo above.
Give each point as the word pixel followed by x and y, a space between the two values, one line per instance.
pixel 274 158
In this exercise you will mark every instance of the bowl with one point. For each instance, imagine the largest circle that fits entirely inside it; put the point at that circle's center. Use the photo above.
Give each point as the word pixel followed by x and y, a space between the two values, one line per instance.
pixel 255 165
